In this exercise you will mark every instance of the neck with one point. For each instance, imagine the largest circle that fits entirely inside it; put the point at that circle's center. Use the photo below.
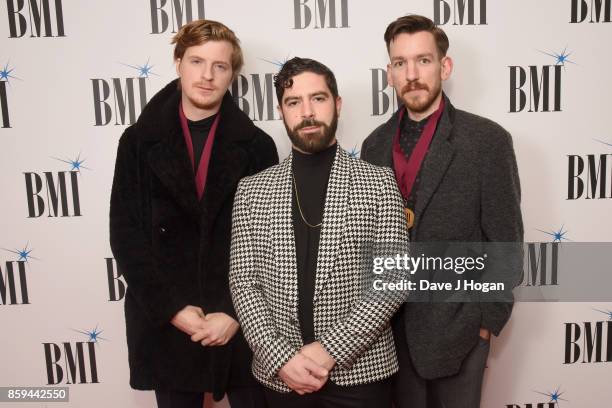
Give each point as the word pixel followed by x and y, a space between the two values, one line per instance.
pixel 193 113
pixel 331 143
pixel 418 116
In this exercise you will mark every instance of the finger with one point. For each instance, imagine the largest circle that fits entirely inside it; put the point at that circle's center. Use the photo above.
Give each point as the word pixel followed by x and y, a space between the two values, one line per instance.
pixel 209 341
pixel 199 311
pixel 200 335
pixel 315 369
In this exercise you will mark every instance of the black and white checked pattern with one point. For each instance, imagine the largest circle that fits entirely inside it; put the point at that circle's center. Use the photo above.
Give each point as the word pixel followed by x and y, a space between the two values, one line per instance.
pixel 362 205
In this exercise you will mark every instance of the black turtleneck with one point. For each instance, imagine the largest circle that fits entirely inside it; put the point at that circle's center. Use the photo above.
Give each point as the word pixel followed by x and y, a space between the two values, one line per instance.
pixel 311 172
pixel 199 130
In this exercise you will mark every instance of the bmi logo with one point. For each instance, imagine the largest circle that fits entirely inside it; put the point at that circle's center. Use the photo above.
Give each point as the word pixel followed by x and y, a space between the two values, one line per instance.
pixel 116 282
pixel 463 12
pixel 13 280
pixel 542 260
pixel 320 14
pixel 598 11
pixel 73 362
pixel 384 98
pixel 255 95
pixel 55 193
pixel 6 74
pixel 590 176
pixel 114 99
pixel 174 13
pixel 39 18
pixel 554 400
pixel 537 88
pixel 589 342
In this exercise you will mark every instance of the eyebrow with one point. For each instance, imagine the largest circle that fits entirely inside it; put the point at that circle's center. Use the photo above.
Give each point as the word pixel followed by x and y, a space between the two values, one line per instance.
pixel 427 54
pixel 204 59
pixel 295 98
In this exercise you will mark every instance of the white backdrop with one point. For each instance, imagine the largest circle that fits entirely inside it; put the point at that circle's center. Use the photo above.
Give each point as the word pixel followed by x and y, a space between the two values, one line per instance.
pixel 48 83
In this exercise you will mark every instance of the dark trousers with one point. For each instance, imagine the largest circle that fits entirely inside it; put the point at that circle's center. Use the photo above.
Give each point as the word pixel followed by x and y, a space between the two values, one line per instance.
pixel 373 395
pixel 458 391
pixel 244 397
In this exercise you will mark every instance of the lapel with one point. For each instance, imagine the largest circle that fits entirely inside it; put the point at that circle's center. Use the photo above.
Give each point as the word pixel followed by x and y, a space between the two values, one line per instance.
pixel 334 216
pixel 169 159
pixel 229 162
pixel 282 233
pixel 381 152
pixel 436 163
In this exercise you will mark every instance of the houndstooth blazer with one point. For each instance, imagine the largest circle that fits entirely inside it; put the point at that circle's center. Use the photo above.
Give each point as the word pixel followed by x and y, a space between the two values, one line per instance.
pixel 362 205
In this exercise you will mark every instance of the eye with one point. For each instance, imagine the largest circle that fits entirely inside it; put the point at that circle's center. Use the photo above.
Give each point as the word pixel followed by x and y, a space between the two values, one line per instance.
pixel 320 98
pixel 222 67
pixel 424 60
pixel 291 103
pixel 398 64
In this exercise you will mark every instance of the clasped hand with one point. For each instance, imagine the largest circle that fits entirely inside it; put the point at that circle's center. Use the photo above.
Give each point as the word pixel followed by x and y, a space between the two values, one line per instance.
pixel 308 370
pixel 212 329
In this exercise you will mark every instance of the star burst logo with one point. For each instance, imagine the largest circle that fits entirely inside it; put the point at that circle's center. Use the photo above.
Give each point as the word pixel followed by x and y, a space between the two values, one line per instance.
pixel 607 312
pixel 277 63
pixel 93 335
pixel 558 236
pixel 6 73
pixel 75 164
pixel 555 396
pixel 560 58
pixel 23 254
pixel 143 70
pixel 354 153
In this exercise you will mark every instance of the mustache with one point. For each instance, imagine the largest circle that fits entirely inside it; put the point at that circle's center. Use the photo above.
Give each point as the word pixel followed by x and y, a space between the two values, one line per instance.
pixel 308 123
pixel 414 86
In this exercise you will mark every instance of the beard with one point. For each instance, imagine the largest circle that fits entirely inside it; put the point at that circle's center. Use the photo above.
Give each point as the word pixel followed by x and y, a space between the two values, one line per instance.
pixel 420 104
pixel 313 142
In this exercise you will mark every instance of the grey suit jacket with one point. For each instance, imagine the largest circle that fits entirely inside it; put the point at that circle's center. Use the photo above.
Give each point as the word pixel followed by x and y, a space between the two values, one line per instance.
pixel 363 204
pixel 469 191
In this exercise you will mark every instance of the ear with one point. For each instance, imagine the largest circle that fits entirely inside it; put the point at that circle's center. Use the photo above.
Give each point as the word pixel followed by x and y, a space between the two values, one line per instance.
pixel 447 68
pixel 338 105
pixel 177 62
pixel 389 76
pixel 280 111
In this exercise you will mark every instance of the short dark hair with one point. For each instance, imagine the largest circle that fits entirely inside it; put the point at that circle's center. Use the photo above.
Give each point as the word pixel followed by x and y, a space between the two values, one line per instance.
pixel 414 24
pixel 296 66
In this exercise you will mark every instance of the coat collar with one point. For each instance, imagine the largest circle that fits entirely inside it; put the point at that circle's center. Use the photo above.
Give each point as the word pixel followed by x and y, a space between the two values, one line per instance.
pixel 333 227
pixel 169 160
pixel 436 162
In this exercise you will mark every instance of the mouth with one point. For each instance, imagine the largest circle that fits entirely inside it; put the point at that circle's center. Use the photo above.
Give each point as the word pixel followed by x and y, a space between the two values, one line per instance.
pixel 309 129
pixel 205 89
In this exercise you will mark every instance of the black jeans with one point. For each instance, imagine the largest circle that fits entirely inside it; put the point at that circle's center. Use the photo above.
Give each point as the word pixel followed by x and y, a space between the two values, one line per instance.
pixel 244 397
pixel 373 395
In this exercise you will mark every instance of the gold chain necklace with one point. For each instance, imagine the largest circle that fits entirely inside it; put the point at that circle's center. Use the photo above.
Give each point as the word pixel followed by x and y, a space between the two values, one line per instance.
pixel 297 198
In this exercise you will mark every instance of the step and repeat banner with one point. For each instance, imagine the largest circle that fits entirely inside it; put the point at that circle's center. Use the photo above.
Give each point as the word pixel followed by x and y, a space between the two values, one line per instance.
pixel 75 74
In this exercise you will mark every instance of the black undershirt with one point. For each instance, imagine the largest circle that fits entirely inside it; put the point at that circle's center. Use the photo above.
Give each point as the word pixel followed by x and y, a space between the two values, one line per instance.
pixel 199 130
pixel 311 173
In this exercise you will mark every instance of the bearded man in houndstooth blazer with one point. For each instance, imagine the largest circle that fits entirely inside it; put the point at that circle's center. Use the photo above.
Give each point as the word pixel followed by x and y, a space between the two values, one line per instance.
pixel 297 259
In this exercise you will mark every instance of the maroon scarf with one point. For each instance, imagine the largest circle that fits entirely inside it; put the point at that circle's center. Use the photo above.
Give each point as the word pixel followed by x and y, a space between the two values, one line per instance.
pixel 202 170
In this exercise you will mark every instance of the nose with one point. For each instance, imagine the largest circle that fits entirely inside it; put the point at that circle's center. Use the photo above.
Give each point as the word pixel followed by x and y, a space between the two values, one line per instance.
pixel 412 71
pixel 307 111
pixel 207 72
